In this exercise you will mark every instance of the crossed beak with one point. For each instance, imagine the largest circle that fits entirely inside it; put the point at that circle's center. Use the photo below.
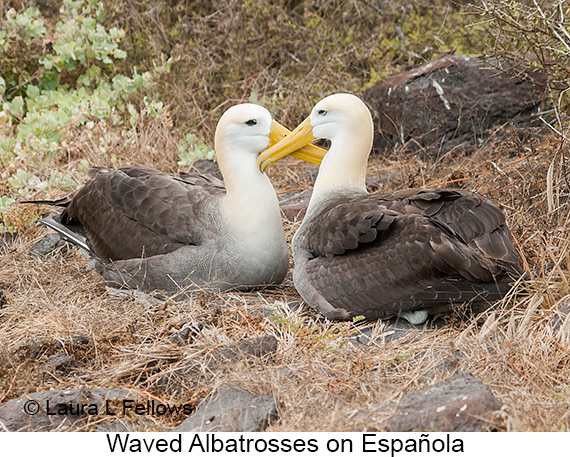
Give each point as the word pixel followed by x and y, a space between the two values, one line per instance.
pixel 295 143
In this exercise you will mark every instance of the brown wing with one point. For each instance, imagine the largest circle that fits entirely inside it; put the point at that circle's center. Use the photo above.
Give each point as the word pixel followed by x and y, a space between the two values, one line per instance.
pixel 196 179
pixel 377 255
pixel 139 211
pixel 347 226
pixel 472 218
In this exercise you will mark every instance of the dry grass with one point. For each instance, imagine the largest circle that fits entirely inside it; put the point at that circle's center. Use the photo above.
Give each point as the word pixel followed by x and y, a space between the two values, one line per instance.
pixel 321 377
pixel 293 51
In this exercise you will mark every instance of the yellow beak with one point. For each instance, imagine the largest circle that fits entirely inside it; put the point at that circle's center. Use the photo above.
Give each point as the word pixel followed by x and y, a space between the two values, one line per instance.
pixel 295 143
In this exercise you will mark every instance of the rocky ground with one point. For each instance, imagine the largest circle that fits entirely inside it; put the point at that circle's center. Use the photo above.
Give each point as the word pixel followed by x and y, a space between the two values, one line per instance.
pixel 263 360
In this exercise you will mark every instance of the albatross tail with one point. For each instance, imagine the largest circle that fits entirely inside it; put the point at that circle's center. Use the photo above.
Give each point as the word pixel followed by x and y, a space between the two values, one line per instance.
pixel 73 233
pixel 65 232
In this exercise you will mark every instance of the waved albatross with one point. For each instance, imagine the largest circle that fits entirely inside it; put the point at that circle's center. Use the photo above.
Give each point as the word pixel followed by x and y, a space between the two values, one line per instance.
pixel 408 253
pixel 153 231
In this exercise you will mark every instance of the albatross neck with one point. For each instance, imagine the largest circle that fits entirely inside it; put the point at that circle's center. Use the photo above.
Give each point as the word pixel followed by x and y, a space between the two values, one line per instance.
pixel 250 198
pixel 343 167
pixel 241 175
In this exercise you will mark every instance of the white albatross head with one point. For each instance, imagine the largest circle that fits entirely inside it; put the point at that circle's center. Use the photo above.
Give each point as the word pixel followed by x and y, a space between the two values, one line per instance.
pixel 343 119
pixel 244 131
pixel 244 127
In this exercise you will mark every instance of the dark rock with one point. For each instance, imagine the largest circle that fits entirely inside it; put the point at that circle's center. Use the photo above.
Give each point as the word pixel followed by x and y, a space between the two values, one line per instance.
pixel 361 337
pixel 559 325
pixel 232 410
pixel 46 245
pixel 458 404
pixel 373 182
pixel 397 328
pixel 3 299
pixel 80 339
pixel 117 426
pixel 28 413
pixel 557 321
pixel 62 362
pixel 48 8
pixel 448 105
pixel 257 347
pixel 471 310
pixel 294 204
pixel 315 370
pixel 185 376
pixel 446 367
pixel 182 337
pixel 128 424
pixel 274 312
pixel 207 167
pixel 6 240
pixel 35 349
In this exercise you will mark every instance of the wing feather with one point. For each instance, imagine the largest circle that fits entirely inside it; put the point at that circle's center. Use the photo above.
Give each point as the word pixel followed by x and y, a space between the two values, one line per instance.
pixel 159 212
pixel 377 255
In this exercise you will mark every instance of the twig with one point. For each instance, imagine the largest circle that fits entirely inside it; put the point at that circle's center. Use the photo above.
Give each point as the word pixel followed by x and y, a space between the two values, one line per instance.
pixel 551 27
pixel 554 128
pixel 11 384
pixel 549 188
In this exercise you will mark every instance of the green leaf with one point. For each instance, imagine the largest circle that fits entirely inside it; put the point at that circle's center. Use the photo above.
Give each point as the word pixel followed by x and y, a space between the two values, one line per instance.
pixel 16 106
pixel 32 91
pixel 5 202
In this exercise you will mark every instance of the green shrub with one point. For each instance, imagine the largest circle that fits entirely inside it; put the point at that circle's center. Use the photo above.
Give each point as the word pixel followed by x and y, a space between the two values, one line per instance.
pixel 64 81
pixel 191 149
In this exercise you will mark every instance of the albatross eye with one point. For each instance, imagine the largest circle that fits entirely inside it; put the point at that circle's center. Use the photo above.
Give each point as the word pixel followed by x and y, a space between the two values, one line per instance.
pixel 322 112
pixel 251 122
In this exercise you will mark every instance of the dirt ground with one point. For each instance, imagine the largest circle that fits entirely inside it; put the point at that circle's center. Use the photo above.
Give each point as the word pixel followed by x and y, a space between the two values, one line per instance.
pixel 326 376
pixel 319 374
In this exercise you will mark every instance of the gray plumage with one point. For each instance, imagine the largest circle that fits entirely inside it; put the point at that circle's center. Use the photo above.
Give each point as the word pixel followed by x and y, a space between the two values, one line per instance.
pixel 393 254
pixel 152 231
pixel 382 255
